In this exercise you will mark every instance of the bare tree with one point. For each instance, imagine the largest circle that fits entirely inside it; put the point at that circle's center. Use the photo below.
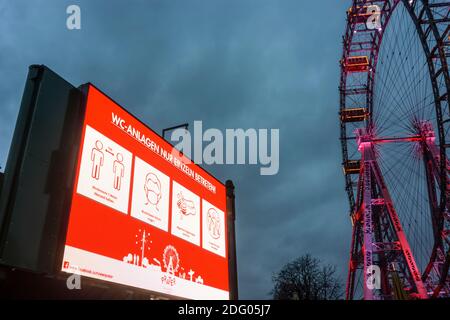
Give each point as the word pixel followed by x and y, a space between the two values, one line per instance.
pixel 305 279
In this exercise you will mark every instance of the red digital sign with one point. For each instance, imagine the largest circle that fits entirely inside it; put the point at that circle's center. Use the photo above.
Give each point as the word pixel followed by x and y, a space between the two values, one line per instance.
pixel 142 214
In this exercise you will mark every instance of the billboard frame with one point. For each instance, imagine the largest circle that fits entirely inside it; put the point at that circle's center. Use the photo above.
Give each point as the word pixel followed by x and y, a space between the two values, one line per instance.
pixel 229 212
pixel 58 232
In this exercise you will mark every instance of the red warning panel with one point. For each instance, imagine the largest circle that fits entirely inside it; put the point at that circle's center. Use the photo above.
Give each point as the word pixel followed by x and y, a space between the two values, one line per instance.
pixel 142 214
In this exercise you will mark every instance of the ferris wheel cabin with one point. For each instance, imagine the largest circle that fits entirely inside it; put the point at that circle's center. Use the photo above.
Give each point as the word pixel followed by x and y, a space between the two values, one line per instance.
pixel 354 114
pixel 359 14
pixel 356 64
pixel 352 167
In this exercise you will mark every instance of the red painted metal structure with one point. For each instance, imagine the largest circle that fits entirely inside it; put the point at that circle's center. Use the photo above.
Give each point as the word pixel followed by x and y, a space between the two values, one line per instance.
pixel 394 96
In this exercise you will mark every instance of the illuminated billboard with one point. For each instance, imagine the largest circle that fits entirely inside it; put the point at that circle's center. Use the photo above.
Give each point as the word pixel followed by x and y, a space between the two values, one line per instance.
pixel 143 215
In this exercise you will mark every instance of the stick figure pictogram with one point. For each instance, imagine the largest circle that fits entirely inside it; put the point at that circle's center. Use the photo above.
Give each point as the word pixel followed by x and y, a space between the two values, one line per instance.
pixel 97 158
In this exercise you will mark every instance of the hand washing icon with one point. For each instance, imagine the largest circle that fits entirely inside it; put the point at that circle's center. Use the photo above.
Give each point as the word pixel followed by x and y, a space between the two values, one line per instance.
pixel 186 207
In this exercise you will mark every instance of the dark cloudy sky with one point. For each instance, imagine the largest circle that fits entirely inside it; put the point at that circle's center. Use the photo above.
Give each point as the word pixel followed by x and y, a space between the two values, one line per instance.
pixel 230 63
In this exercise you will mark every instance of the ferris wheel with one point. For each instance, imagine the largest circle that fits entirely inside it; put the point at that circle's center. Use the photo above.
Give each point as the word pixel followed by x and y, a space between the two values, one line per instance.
pixel 395 138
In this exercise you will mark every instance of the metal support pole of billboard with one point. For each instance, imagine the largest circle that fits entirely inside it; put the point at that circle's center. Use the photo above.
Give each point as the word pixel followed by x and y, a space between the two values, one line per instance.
pixel 232 261
pixel 1 181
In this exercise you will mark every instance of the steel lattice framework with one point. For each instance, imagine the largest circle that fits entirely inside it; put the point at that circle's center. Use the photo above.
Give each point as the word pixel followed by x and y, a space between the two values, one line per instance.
pixel 395 138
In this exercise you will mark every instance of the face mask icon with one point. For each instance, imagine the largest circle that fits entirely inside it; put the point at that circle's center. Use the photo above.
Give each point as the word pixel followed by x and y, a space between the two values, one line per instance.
pixel 152 188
